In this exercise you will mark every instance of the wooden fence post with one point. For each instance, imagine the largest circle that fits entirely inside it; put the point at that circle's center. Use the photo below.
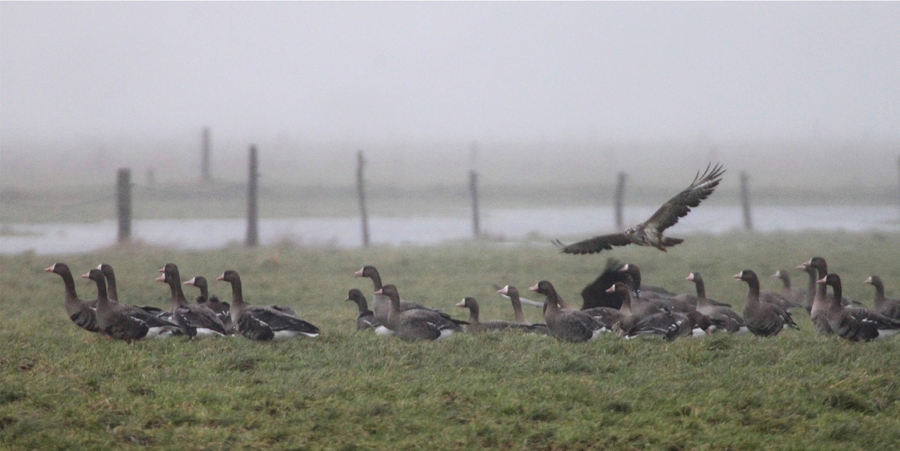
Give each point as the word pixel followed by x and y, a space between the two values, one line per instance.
pixel 252 215
pixel 898 185
pixel 473 189
pixel 620 200
pixel 745 200
pixel 204 169
pixel 360 189
pixel 123 204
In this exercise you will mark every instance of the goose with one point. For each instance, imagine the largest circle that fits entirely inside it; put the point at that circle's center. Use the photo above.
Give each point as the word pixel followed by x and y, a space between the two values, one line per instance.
pixel 416 323
pixel 855 324
pixel 221 309
pixel 670 325
pixel 566 324
pixel 126 322
pixel 634 309
pixel 366 318
pixel 113 294
pixel 650 232
pixel 258 322
pixel 82 313
pixel 477 326
pixel 794 295
pixel 762 318
pixel 512 293
pixel 723 318
pixel 885 306
pixel 381 304
pixel 194 319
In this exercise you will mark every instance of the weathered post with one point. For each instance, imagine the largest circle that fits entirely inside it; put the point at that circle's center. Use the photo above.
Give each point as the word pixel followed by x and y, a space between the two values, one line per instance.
pixel 252 186
pixel 204 168
pixel 473 189
pixel 123 204
pixel 360 190
pixel 745 200
pixel 898 185
pixel 620 200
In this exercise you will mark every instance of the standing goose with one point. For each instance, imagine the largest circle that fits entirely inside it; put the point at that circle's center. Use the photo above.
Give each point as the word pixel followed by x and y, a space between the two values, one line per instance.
pixel 794 295
pixel 416 323
pixel 724 318
pixel 762 318
pixel 818 312
pixel 113 294
pixel 82 313
pixel 650 232
pixel 194 319
pixel 126 322
pixel 885 306
pixel 366 318
pixel 381 304
pixel 220 308
pixel 563 323
pixel 257 322
pixel 854 323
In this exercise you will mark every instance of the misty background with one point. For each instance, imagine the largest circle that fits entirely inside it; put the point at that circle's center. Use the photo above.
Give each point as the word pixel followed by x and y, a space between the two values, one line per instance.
pixel 802 96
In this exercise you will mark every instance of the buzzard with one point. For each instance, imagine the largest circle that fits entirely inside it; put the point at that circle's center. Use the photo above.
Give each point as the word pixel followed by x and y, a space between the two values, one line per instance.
pixel 649 232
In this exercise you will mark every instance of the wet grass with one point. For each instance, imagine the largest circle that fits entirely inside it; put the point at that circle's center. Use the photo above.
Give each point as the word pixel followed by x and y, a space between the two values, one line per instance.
pixel 64 389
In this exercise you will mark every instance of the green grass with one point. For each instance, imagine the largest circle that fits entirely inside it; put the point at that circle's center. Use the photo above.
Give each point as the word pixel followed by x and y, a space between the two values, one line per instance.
pixel 64 389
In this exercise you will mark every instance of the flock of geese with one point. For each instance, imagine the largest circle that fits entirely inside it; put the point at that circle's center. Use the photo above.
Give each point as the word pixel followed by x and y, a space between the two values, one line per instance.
pixel 616 301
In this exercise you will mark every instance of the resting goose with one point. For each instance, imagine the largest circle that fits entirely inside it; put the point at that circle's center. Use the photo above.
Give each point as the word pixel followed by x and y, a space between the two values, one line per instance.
pixel 633 309
pixel 262 323
pixel 855 324
pixel 194 319
pixel 81 312
pixel 221 309
pixel 126 322
pixel 650 232
pixel 477 326
pixel 762 318
pixel 381 304
pixel 366 318
pixel 723 318
pixel 512 293
pixel 885 306
pixel 671 325
pixel 416 323
pixel 563 323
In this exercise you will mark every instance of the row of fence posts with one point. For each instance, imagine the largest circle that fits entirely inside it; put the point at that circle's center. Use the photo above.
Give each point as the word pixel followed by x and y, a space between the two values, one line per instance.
pixel 124 204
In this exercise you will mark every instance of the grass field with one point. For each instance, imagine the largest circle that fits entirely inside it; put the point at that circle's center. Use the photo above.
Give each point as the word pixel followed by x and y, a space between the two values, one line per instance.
pixel 64 389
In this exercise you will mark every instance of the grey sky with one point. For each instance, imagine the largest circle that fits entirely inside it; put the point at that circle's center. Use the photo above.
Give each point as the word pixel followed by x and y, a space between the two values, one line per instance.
pixel 463 71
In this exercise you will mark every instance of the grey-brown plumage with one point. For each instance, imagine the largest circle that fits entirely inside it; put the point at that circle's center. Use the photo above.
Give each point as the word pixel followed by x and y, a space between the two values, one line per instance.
pixel 762 318
pixel 886 306
pixel 262 323
pixel 194 319
pixel 477 326
pixel 650 232
pixel 113 292
pixel 633 309
pixel 792 294
pixel 515 299
pixel 416 323
pixel 381 304
pixel 668 325
pixel 126 322
pixel 82 313
pixel 220 308
pixel 366 318
pixel 723 318
pixel 566 324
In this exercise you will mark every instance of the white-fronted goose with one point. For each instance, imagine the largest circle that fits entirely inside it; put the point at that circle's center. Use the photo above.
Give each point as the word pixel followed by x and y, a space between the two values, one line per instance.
pixel 886 306
pixel 194 319
pixel 81 312
pixel 512 293
pixel 257 322
pixel 477 326
pixel 762 318
pixel 222 309
pixel 650 232
pixel 112 292
pixel 795 295
pixel 855 324
pixel 670 325
pixel 126 322
pixel 563 323
pixel 723 318
pixel 416 323
pixel 633 309
pixel 366 318
pixel 381 304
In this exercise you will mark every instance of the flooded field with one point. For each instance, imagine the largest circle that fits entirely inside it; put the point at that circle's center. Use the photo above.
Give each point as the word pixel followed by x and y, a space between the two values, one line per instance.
pixel 543 224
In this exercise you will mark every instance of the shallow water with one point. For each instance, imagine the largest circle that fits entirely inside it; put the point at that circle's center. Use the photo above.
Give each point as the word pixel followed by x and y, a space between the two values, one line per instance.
pixel 513 224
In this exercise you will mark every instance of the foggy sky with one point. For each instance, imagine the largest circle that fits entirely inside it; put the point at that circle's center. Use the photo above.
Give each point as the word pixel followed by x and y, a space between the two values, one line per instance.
pixel 463 71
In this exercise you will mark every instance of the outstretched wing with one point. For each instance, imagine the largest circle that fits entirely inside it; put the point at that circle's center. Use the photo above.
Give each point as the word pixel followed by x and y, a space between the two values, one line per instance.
pixel 595 244
pixel 679 205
